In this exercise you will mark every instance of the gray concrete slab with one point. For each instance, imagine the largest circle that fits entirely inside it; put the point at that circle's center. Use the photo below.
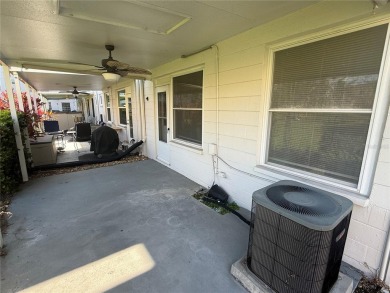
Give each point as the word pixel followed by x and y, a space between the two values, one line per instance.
pixel 70 153
pixel 126 228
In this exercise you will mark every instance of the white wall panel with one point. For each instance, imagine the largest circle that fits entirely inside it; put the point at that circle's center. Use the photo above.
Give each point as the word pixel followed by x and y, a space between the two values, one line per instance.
pixel 242 78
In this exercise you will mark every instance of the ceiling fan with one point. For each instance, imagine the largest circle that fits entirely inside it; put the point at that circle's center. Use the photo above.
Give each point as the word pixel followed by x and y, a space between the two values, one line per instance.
pixel 116 67
pixel 75 92
pixel 112 69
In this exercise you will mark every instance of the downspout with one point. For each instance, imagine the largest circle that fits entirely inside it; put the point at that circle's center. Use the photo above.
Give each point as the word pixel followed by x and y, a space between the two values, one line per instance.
pixel 386 259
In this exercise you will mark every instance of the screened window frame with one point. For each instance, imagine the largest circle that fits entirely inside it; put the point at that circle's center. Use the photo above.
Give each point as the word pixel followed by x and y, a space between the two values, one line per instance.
pixel 121 107
pixel 107 100
pixel 172 133
pixel 378 112
pixel 67 104
pixel 129 103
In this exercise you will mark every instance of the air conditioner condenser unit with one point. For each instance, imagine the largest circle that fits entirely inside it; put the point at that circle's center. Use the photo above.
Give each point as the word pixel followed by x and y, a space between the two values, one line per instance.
pixel 297 237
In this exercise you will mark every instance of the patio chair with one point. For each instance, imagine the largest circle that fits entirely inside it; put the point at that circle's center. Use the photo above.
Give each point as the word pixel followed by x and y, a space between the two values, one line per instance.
pixel 82 133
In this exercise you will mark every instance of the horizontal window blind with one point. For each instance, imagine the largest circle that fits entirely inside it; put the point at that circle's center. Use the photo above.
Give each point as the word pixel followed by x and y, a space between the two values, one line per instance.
pixel 188 125
pixel 326 144
pixel 341 72
pixel 330 86
pixel 187 107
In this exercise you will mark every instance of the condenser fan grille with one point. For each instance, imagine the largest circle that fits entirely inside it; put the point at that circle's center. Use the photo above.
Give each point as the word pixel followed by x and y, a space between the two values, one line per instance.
pixel 302 200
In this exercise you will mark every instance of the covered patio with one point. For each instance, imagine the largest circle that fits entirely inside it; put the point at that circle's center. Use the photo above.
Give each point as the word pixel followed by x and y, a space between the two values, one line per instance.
pixel 131 228
pixel 242 94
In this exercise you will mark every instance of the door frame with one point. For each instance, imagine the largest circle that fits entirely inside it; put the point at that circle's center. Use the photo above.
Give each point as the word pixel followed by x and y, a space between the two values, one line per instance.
pixel 128 131
pixel 163 88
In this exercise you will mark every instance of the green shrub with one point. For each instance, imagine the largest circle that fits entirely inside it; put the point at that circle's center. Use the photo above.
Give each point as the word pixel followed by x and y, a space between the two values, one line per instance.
pixel 10 174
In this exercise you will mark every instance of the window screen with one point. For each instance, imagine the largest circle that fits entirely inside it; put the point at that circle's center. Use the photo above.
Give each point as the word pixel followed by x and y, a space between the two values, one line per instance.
pixel 187 107
pixel 322 98
pixel 122 106
pixel 108 107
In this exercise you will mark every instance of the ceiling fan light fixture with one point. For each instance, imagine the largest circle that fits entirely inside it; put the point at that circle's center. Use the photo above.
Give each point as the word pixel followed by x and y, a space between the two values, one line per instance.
pixel 111 77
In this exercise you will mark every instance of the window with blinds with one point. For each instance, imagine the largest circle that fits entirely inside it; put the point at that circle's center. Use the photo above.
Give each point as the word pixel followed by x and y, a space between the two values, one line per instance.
pixel 122 106
pixel 187 107
pixel 321 104
pixel 108 107
pixel 65 107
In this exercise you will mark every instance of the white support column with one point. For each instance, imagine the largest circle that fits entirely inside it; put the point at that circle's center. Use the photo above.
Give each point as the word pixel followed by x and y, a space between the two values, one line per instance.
pixel 18 91
pixel 30 107
pixel 14 116
pixel 21 108
pixel 35 100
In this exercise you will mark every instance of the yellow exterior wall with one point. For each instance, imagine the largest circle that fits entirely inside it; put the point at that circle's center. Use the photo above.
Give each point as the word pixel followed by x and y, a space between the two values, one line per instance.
pixel 242 71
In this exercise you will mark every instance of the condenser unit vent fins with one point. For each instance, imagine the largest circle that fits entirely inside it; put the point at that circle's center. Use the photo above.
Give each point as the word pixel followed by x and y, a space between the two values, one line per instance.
pixel 302 200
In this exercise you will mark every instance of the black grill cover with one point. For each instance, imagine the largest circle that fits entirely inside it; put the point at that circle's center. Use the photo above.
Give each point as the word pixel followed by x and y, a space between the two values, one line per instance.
pixel 104 141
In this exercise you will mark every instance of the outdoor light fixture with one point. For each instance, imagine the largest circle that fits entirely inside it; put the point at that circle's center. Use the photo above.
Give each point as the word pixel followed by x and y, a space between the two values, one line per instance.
pixel 111 77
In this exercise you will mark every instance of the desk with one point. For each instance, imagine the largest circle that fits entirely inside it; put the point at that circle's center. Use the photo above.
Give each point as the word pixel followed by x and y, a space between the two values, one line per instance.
pixel 43 150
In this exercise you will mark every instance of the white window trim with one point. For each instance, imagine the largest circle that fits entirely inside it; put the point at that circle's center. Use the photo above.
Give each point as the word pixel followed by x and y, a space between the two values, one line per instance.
pixel 195 147
pixel 105 94
pixel 130 125
pixel 119 107
pixel 379 111
pixel 67 104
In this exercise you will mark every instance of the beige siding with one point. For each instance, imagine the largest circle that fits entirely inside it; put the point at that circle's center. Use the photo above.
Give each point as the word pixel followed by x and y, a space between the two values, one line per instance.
pixel 243 75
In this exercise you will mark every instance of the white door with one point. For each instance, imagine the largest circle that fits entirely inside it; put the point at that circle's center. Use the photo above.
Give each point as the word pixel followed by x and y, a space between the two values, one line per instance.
pixel 162 125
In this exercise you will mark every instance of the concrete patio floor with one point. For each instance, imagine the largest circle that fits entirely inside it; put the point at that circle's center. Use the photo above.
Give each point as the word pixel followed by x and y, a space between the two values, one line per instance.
pixel 70 153
pixel 126 228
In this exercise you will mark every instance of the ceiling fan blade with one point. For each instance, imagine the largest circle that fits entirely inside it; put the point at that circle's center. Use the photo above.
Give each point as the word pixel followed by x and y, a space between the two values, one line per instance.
pixel 137 70
pixel 121 72
pixel 117 65
pixel 126 67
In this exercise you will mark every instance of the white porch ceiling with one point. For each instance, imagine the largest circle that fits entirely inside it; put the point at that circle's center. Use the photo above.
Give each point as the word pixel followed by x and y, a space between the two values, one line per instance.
pixel 146 34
